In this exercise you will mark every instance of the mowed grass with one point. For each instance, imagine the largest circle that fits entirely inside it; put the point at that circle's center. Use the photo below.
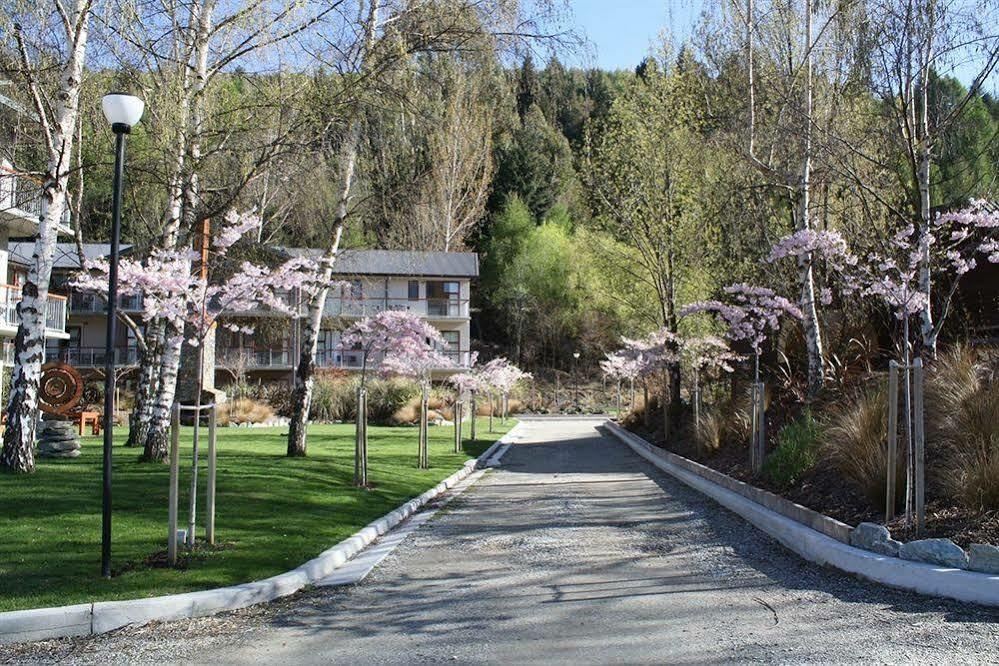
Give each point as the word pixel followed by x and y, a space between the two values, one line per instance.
pixel 273 512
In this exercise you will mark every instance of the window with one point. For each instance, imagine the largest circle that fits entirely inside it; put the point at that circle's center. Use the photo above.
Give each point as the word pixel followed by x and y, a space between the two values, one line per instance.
pixel 453 348
pixel 442 298
pixel 414 290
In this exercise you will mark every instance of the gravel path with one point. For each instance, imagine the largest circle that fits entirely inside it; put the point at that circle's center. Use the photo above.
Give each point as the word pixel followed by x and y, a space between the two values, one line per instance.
pixel 575 551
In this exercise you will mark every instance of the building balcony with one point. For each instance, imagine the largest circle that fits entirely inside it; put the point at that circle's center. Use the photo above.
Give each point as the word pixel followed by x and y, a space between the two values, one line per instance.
pixel 86 304
pixel 55 315
pixel 428 308
pixel 246 360
pixel 94 357
pixel 339 306
pixel 21 201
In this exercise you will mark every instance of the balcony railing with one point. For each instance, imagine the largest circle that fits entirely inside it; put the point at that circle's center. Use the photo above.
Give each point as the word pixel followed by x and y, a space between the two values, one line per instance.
pixel 283 359
pixel 93 304
pixel 95 357
pixel 453 308
pixel 22 195
pixel 341 306
pixel 55 314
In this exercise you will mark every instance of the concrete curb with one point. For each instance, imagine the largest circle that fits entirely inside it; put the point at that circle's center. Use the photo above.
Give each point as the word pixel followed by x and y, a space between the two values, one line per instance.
pixel 822 549
pixel 99 617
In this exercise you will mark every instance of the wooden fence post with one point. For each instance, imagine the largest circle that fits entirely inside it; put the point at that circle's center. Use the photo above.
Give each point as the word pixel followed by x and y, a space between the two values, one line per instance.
pixel 174 480
pixel 919 443
pixel 892 453
pixel 212 455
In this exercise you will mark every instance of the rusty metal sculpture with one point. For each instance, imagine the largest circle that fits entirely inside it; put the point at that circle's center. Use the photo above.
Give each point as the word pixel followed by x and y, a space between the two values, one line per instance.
pixel 60 388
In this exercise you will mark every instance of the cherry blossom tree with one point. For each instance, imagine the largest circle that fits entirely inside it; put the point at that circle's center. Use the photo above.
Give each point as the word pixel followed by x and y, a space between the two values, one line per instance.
pixel 171 293
pixel 410 347
pixel 501 376
pixel 620 366
pixel 751 314
pixel 191 303
pixel 470 382
pixel 806 247
pixel 706 354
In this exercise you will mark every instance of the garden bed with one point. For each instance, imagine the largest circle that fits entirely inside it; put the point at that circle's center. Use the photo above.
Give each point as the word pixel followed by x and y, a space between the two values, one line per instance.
pixel 273 514
pixel 824 490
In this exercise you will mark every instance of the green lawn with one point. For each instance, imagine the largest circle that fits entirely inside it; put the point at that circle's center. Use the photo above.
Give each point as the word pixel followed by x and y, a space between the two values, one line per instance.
pixel 273 512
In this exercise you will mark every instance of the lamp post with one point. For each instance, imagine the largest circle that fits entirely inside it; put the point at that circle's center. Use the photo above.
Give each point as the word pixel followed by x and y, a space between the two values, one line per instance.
pixel 575 379
pixel 122 111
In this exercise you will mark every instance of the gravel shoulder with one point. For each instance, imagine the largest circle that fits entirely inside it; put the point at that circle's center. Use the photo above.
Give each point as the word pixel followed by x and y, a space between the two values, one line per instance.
pixel 574 551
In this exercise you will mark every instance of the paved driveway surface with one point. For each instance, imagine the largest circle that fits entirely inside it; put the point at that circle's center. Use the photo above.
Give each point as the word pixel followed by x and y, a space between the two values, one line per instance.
pixel 575 551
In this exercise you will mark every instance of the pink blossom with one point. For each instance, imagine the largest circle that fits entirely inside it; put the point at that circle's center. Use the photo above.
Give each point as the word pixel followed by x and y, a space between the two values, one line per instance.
pixel 708 353
pixel 500 375
pixel 234 228
pixel 750 314
pixel 169 290
pixel 411 346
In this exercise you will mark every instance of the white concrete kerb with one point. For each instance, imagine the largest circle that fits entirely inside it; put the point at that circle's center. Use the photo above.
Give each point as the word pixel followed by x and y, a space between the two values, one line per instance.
pixel 102 616
pixel 817 547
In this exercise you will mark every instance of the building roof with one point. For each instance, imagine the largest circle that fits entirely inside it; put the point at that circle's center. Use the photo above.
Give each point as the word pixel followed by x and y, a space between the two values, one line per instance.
pixel 400 262
pixel 65 254
pixel 350 262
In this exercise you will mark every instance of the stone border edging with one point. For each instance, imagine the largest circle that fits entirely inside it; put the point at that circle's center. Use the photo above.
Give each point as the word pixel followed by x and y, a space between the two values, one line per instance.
pixel 820 548
pixel 796 512
pixel 102 616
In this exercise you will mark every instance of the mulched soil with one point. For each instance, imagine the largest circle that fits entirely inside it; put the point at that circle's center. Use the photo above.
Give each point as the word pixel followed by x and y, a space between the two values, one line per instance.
pixel 822 489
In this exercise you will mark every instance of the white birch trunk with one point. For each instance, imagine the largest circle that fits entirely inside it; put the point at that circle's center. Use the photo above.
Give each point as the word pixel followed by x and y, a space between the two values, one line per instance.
pixel 928 330
pixel 806 278
pixel 303 381
pixel 29 345
pixel 158 438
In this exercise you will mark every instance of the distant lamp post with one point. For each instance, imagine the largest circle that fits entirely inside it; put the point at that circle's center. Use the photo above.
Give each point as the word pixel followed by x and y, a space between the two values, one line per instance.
pixel 575 378
pixel 123 112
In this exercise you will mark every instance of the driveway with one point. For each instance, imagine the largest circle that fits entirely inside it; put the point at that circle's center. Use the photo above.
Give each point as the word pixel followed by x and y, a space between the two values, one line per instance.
pixel 574 551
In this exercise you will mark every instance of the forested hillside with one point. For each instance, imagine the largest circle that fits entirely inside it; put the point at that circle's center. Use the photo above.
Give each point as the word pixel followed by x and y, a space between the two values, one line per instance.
pixel 599 201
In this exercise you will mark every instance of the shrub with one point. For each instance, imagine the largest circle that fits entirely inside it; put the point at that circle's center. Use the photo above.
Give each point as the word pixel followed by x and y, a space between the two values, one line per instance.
pixel 334 399
pixel 855 443
pixel 796 452
pixel 245 410
pixel 386 396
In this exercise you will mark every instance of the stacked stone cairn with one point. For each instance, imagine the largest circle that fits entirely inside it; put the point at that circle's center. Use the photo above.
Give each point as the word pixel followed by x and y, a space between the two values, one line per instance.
pixel 57 438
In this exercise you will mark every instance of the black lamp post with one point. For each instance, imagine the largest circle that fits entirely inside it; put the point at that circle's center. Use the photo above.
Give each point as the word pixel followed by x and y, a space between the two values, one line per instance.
pixel 122 111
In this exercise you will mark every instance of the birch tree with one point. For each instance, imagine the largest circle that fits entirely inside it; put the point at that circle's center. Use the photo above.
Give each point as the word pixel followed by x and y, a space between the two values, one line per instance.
pixel 184 54
pixel 910 42
pixel 387 32
pixel 305 370
pixel 56 106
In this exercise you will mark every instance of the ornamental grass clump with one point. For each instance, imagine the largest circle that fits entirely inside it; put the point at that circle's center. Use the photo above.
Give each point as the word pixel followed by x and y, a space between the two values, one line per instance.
pixel 963 428
pixel 709 432
pixel 244 411
pixel 855 442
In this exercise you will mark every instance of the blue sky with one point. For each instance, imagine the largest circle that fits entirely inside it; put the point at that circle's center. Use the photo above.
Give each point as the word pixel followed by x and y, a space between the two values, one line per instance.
pixel 620 32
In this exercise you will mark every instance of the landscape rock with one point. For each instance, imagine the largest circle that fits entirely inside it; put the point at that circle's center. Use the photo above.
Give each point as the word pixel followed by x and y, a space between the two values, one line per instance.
pixel 59 445
pixel 942 552
pixel 875 538
pixel 59 454
pixel 984 558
